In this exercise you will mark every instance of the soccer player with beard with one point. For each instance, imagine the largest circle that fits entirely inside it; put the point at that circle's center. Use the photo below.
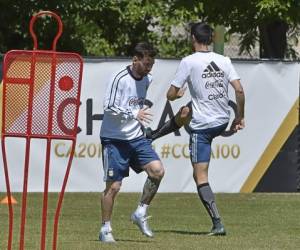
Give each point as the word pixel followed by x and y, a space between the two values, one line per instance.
pixel 123 142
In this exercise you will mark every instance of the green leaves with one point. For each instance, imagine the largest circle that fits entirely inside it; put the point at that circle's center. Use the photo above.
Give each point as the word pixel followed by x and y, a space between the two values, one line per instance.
pixel 112 27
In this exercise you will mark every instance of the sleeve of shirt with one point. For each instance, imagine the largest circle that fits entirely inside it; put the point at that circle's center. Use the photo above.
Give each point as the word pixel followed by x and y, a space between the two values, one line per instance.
pixel 113 99
pixel 232 74
pixel 181 75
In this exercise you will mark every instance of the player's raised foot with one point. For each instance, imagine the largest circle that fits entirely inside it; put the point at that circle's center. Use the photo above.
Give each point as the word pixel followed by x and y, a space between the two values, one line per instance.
pixel 217 230
pixel 106 236
pixel 142 223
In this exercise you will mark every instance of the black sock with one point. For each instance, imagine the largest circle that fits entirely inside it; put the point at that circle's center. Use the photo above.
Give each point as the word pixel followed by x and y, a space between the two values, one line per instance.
pixel 208 199
pixel 167 128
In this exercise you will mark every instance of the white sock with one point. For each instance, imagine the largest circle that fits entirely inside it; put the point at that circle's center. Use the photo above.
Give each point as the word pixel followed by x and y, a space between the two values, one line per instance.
pixel 106 226
pixel 141 209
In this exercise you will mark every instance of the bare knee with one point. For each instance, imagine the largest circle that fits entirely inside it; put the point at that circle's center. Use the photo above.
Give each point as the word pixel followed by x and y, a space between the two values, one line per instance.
pixel 159 173
pixel 112 189
pixel 183 116
pixel 155 170
pixel 185 112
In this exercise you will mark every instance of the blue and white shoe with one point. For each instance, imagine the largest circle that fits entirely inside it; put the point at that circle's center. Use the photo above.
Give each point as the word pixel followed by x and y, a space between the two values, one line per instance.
pixel 106 236
pixel 142 223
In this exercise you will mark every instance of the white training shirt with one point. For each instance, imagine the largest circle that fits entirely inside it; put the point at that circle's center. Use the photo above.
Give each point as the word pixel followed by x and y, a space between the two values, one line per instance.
pixel 208 75
pixel 124 98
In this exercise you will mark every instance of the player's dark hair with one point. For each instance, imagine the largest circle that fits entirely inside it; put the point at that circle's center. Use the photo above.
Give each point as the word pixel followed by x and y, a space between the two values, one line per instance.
pixel 202 32
pixel 144 49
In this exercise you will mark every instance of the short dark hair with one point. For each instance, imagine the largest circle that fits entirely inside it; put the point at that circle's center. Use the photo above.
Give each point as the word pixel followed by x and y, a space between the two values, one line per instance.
pixel 202 32
pixel 144 49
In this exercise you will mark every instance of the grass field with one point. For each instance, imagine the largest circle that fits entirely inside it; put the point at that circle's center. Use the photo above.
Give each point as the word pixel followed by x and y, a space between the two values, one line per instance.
pixel 253 221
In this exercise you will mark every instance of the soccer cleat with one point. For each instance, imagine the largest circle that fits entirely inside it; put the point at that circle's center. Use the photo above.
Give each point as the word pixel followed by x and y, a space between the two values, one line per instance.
pixel 106 236
pixel 142 223
pixel 217 230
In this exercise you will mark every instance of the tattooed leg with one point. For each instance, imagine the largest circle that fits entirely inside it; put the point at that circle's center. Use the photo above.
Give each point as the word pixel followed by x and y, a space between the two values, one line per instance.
pixel 150 189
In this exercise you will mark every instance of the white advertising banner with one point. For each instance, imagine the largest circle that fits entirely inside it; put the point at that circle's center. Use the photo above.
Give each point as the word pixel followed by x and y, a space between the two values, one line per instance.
pixel 272 91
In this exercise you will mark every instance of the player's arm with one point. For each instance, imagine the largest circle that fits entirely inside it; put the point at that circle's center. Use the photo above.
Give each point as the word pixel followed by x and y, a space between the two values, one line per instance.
pixel 144 115
pixel 177 88
pixel 238 123
pixel 117 110
pixel 175 92
pixel 112 103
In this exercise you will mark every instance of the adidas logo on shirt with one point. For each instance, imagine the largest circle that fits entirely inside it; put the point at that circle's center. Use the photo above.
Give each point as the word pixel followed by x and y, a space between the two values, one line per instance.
pixel 212 70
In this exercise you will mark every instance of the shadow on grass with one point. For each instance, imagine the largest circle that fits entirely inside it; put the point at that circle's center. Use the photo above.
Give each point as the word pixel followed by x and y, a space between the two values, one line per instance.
pixel 123 240
pixel 137 241
pixel 181 232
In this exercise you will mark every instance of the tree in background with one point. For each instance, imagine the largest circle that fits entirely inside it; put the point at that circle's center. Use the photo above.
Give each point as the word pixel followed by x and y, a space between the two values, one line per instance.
pixel 14 25
pixel 269 22
pixel 111 27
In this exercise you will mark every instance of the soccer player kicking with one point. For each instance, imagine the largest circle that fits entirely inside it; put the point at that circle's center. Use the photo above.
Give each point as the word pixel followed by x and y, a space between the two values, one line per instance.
pixel 123 142
pixel 207 75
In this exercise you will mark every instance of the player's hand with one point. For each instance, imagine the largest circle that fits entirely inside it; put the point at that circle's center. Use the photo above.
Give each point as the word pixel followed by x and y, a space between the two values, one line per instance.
pixel 237 124
pixel 181 92
pixel 144 116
